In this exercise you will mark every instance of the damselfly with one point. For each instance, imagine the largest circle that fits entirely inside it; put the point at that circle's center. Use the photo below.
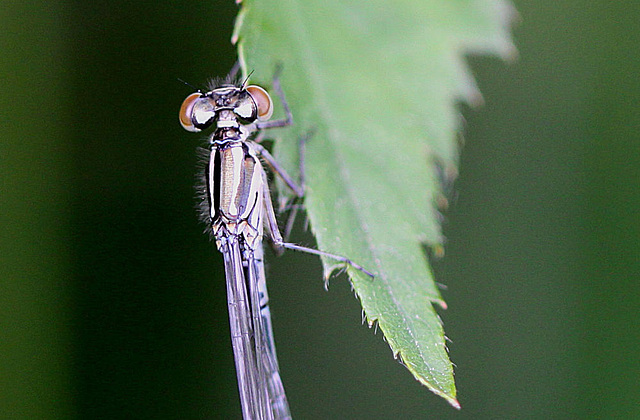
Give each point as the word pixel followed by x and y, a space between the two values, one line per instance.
pixel 237 208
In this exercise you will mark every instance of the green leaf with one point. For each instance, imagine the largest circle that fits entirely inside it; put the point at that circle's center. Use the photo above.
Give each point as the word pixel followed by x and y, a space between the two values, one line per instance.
pixel 377 82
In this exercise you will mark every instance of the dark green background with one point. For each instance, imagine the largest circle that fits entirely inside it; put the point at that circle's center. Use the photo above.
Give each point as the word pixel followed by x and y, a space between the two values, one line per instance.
pixel 112 302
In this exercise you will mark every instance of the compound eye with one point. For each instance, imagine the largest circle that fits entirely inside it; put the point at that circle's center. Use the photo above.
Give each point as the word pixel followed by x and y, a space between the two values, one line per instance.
pixel 197 112
pixel 186 112
pixel 262 100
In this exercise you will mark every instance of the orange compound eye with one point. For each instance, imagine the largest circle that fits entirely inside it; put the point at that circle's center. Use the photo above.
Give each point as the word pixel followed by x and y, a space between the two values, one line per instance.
pixel 186 112
pixel 263 102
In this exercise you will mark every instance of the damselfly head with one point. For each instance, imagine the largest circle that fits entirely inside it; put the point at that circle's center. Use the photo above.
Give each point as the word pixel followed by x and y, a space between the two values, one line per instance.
pixel 248 104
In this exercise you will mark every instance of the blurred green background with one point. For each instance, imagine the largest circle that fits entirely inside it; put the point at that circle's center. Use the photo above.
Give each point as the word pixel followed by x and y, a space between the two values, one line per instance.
pixel 112 302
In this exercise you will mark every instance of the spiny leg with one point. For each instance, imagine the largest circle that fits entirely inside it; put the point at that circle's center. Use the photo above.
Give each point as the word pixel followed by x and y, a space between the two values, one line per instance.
pixel 296 203
pixel 345 260
pixel 288 119
pixel 279 244
pixel 296 188
pixel 233 73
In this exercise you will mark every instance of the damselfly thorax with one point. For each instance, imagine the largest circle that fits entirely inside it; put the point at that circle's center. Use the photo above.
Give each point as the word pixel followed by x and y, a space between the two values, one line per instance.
pixel 237 185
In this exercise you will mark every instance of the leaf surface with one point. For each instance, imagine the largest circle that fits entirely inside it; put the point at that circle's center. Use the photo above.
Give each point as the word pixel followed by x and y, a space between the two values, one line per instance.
pixel 377 83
